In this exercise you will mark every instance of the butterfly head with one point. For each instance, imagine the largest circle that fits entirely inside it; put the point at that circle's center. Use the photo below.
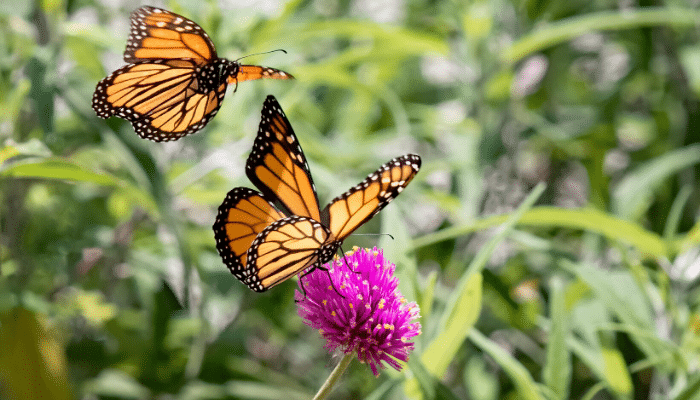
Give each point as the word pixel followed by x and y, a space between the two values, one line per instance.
pixel 213 75
pixel 329 249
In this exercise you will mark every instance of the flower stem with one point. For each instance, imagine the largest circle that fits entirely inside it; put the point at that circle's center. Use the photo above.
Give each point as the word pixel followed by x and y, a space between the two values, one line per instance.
pixel 325 390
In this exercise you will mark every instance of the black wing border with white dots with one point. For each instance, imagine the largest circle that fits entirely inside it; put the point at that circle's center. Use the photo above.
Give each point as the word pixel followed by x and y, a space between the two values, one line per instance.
pixel 233 261
pixel 142 123
pixel 290 143
pixel 139 31
pixel 412 160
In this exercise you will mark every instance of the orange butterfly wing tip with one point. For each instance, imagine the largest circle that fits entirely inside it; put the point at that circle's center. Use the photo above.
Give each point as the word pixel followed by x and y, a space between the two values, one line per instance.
pixel 241 217
pixel 352 209
pixel 253 72
pixel 277 165
pixel 158 34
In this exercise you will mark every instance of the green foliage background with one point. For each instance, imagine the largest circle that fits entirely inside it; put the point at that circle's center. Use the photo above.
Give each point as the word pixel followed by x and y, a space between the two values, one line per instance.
pixel 584 286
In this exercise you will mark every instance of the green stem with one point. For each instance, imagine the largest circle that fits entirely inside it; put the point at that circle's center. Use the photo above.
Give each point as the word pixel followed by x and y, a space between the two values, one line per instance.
pixel 325 390
pixel 573 27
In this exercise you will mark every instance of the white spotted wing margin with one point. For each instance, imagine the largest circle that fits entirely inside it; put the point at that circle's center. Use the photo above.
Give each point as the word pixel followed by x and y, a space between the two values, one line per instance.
pixel 174 24
pixel 158 99
pixel 277 165
pixel 243 214
pixel 353 208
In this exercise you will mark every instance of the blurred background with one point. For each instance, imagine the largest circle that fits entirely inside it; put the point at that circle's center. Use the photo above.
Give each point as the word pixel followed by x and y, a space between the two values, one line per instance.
pixel 583 287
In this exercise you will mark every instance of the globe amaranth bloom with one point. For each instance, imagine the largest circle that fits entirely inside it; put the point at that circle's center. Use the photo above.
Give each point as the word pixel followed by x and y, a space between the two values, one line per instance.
pixel 361 310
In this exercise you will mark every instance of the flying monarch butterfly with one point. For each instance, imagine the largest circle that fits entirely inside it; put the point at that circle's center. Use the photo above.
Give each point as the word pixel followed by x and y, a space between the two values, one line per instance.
pixel 174 83
pixel 263 245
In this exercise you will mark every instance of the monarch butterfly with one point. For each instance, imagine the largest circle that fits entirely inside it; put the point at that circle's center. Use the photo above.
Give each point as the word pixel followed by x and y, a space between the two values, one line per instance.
pixel 174 83
pixel 263 245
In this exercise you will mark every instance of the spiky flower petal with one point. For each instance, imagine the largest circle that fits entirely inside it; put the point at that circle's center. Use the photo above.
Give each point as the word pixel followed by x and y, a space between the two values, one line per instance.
pixel 362 310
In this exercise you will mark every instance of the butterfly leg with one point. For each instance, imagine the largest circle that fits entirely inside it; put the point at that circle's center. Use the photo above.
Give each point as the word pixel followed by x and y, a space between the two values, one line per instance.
pixel 330 278
pixel 342 255
pixel 303 289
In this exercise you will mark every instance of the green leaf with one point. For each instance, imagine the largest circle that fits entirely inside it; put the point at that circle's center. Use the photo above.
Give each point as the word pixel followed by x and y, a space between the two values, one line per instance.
pixel 619 292
pixel 616 373
pixel 426 296
pixel 442 349
pixel 42 91
pixel 464 304
pixel 63 169
pixel 557 369
pixel 588 219
pixel 14 100
pixel 397 250
pixel 524 384
pixel 400 41
pixel 94 34
pixel 480 382
pixel 570 28
pixel 113 383
pixel 690 61
pixel 58 169
pixel 431 388
pixel 255 390
pixel 32 362
pixel 425 380
pixel 632 196
pixel 83 53
pixel 623 297
pixel 33 147
pixel 691 390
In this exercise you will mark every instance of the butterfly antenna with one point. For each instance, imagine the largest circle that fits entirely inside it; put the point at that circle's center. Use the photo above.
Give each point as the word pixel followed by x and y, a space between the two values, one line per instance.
pixel 257 54
pixel 373 234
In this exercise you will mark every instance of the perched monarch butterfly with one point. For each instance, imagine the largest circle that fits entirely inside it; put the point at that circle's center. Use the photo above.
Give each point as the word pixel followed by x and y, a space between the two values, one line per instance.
pixel 263 245
pixel 174 83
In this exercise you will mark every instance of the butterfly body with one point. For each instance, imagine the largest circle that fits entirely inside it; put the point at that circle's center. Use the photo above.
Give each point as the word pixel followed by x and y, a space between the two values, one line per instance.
pixel 211 77
pixel 263 245
pixel 175 82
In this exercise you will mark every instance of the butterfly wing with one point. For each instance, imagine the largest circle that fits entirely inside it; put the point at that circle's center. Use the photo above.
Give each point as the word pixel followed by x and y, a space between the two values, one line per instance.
pixel 242 216
pixel 283 249
pixel 160 99
pixel 253 72
pixel 277 165
pixel 350 210
pixel 158 34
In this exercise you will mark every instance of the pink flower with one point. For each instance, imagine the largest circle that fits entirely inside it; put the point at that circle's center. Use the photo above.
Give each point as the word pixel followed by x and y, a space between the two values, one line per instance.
pixel 371 317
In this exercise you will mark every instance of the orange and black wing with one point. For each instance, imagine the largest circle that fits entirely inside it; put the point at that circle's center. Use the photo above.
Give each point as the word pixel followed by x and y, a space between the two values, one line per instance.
pixel 284 249
pixel 350 210
pixel 162 100
pixel 277 165
pixel 158 34
pixel 253 72
pixel 242 216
